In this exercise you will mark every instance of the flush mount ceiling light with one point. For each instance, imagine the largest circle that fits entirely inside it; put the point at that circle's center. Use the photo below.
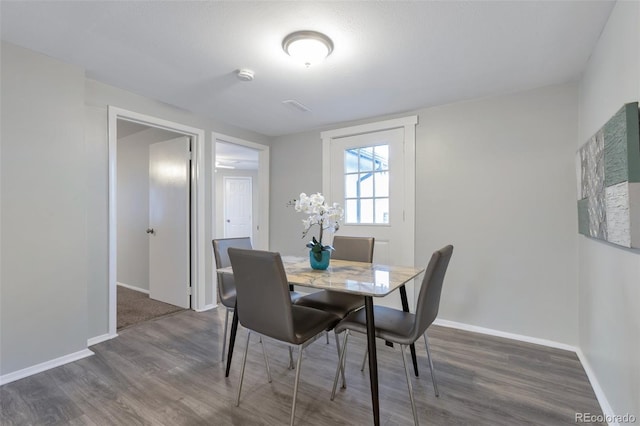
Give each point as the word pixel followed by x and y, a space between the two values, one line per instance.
pixel 308 47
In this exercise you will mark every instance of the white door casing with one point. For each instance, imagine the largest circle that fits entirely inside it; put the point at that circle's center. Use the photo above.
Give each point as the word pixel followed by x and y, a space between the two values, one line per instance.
pixel 169 225
pixel 200 243
pixel 238 206
pixel 394 239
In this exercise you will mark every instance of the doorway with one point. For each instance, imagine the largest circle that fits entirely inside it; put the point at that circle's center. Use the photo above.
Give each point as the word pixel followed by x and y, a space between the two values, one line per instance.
pixel 244 166
pixel 192 174
pixel 236 158
pixel 153 222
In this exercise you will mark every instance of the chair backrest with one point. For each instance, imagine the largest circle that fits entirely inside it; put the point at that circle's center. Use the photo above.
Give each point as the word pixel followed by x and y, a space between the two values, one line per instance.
pixel 357 249
pixel 226 285
pixel 429 296
pixel 262 293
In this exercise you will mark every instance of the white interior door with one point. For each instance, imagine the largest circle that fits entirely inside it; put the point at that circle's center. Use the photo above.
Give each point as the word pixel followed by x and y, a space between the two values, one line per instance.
pixel 238 207
pixel 367 178
pixel 169 225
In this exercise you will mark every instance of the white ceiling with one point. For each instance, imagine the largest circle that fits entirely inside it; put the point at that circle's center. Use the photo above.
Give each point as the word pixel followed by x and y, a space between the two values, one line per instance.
pixel 389 57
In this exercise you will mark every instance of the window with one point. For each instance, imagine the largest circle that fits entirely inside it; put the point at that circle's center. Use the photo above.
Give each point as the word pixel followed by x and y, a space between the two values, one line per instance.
pixel 366 180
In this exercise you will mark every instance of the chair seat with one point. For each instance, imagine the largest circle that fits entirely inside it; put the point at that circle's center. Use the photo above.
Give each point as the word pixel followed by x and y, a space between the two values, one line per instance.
pixel 228 299
pixel 392 325
pixel 339 304
pixel 309 322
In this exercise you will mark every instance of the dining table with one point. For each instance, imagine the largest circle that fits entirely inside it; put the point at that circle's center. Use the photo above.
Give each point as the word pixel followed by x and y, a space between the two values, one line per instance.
pixel 369 280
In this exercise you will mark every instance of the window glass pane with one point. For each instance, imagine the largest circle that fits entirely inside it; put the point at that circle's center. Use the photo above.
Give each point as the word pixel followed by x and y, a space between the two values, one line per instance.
pixel 351 186
pixel 366 159
pixel 351 211
pixel 382 157
pixel 382 184
pixel 382 210
pixel 366 184
pixel 351 160
pixel 366 211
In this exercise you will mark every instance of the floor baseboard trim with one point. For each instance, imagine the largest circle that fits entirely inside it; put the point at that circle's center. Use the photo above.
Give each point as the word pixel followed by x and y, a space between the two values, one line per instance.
pixel 134 288
pixel 99 339
pixel 44 366
pixel 512 336
pixel 207 307
pixel 597 389
pixel 591 375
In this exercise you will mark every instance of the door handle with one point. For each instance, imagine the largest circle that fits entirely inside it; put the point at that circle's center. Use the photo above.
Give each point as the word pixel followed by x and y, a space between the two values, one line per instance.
pixel 151 231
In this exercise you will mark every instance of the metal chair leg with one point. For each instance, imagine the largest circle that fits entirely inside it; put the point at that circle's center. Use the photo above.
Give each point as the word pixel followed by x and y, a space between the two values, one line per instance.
pixel 290 358
pixel 224 339
pixel 433 373
pixel 344 381
pixel 266 360
pixel 340 363
pixel 364 360
pixel 295 386
pixel 244 362
pixel 406 372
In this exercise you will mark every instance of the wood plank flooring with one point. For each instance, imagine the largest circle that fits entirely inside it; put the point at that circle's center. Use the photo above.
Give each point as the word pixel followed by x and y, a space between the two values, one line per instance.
pixel 168 372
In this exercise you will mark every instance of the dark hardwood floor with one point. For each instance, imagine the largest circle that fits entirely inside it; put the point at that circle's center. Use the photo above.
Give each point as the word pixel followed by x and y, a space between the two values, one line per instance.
pixel 168 372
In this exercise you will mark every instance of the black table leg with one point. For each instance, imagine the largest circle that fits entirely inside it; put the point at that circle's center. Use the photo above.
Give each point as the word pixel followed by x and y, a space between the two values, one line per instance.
pixel 373 359
pixel 412 347
pixel 232 340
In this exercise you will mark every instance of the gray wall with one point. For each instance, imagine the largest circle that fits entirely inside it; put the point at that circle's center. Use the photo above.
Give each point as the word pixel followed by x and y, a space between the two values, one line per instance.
pixel 608 276
pixel 495 177
pixel 43 311
pixel 54 195
pixel 133 205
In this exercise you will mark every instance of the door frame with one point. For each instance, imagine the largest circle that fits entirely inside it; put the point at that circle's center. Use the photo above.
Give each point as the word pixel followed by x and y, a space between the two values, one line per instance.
pixel 409 125
pixel 197 178
pixel 262 223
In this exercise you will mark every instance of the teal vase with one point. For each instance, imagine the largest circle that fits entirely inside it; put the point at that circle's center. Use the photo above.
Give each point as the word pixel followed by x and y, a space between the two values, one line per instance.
pixel 321 264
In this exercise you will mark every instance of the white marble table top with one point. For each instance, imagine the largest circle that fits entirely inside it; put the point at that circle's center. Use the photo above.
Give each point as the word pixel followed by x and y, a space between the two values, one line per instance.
pixel 367 279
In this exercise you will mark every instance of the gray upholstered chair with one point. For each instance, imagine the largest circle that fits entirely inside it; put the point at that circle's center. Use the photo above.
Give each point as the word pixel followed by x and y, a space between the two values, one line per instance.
pixel 400 327
pixel 357 249
pixel 226 284
pixel 264 306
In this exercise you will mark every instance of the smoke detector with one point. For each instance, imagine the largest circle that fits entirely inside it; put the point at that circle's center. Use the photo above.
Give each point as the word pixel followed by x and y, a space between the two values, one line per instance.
pixel 245 74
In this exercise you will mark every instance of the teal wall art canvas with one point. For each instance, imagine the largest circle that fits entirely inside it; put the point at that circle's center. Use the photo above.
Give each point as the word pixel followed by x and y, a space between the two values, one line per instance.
pixel 608 172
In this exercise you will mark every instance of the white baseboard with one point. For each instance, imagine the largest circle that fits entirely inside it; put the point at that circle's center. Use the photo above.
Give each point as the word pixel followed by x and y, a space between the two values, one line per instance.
pixel 207 307
pixel 39 368
pixel 597 389
pixel 99 339
pixel 506 335
pixel 134 288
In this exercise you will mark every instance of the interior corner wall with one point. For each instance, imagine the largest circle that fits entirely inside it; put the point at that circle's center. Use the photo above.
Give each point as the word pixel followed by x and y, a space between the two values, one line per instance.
pixel 43 191
pixel 494 177
pixel 608 275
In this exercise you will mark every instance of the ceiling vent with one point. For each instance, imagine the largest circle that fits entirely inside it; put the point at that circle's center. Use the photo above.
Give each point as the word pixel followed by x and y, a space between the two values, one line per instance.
pixel 245 74
pixel 291 103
